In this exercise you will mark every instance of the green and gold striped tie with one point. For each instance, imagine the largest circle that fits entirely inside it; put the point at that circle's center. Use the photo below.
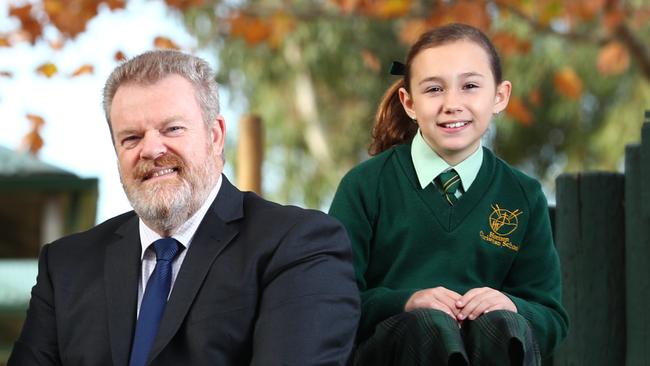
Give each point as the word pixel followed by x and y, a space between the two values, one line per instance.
pixel 449 182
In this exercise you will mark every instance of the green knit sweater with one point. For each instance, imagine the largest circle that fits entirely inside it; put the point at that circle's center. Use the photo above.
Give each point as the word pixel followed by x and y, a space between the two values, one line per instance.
pixel 406 238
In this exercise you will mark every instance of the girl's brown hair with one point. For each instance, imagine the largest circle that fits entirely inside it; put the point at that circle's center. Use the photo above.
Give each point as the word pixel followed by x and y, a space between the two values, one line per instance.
pixel 392 125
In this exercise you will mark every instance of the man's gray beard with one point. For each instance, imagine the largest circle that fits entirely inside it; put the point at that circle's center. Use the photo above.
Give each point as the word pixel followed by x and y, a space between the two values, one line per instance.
pixel 167 206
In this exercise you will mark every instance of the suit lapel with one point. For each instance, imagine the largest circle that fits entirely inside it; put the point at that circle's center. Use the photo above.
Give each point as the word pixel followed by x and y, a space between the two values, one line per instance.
pixel 214 233
pixel 121 276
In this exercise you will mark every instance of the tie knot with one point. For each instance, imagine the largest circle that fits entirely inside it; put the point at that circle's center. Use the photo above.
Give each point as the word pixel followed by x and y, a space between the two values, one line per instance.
pixel 449 181
pixel 166 249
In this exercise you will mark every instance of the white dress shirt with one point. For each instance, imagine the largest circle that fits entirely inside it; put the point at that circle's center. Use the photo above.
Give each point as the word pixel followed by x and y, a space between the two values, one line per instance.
pixel 183 235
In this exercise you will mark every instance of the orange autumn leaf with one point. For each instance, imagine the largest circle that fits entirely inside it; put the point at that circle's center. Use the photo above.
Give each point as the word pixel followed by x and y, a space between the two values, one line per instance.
pixel 470 12
pixel 508 44
pixel 569 84
pixel 388 9
pixel 28 24
pixel 346 6
pixel 518 110
pixel 47 69
pixel 613 58
pixel 281 25
pixel 411 31
pixel 184 4
pixel 4 42
pixel 613 18
pixel 164 42
pixel 252 29
pixel 32 142
pixel 535 97
pixel 36 120
pixel 84 69
pixel 371 60
pixel 115 4
pixel 584 9
pixel 70 17
pixel 119 56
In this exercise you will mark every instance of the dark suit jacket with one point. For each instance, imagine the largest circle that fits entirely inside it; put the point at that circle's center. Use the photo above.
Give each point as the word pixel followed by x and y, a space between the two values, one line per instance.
pixel 261 284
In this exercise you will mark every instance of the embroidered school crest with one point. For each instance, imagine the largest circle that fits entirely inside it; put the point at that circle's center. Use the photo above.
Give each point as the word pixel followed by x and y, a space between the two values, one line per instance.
pixel 502 223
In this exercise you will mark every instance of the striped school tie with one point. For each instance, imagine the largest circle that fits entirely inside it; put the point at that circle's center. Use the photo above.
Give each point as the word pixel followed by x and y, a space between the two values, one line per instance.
pixel 449 183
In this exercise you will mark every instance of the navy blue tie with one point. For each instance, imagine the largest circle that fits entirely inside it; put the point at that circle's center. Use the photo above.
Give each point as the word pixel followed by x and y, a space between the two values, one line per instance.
pixel 153 301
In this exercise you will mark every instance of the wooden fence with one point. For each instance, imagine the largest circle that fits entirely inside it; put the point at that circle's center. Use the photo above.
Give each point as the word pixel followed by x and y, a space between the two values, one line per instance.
pixel 602 232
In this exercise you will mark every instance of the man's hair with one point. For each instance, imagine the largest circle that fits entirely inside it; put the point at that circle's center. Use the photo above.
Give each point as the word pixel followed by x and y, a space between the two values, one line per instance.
pixel 153 66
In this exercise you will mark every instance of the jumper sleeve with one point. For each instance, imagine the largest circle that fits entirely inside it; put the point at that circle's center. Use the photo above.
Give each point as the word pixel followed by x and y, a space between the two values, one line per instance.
pixel 355 205
pixel 535 281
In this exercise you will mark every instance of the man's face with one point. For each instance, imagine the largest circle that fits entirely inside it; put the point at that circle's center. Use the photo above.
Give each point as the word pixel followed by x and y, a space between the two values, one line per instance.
pixel 168 158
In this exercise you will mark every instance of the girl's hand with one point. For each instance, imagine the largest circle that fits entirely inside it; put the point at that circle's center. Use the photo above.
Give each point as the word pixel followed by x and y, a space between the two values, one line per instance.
pixel 478 301
pixel 438 298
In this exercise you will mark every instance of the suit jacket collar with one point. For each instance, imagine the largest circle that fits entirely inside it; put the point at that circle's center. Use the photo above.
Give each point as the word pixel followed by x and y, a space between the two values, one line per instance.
pixel 122 266
pixel 216 231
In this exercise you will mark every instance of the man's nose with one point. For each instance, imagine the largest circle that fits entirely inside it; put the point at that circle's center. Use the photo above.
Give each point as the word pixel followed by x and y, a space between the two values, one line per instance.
pixel 153 145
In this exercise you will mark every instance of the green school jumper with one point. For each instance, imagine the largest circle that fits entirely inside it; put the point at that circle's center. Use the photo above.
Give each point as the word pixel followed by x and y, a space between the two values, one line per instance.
pixel 405 239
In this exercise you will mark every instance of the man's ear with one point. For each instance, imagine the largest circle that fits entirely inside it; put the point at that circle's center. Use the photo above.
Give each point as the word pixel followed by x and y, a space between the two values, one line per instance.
pixel 218 133
pixel 502 96
pixel 407 102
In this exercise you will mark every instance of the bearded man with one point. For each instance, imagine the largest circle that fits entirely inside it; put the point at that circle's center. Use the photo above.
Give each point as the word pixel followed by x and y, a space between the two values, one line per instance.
pixel 199 273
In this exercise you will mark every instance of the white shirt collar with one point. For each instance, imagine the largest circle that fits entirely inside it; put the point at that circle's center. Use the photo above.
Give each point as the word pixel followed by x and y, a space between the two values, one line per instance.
pixel 428 164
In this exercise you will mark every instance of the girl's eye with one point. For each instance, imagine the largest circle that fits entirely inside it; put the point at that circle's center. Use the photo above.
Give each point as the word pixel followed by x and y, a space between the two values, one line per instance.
pixel 433 89
pixel 471 86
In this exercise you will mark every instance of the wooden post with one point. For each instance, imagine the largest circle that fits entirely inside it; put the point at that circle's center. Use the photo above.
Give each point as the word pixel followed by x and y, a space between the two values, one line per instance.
pixel 250 154
pixel 590 225
pixel 637 248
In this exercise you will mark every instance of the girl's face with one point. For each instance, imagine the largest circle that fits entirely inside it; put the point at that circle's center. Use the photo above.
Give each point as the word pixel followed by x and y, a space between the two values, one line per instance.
pixel 453 97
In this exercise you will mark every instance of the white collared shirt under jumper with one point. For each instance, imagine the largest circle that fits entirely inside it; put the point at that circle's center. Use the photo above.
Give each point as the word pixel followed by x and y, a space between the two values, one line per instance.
pixel 428 164
pixel 184 236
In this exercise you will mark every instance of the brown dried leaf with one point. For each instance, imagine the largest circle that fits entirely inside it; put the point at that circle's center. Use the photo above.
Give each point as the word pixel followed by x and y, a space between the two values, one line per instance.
pixel 28 24
pixel 7 74
pixel 115 4
pixel 347 6
pixel 387 9
pixel 252 29
pixel 36 120
pixel 568 83
pixel 164 42
pixel 119 56
pixel 32 142
pixel 583 10
pixel 371 60
pixel 411 31
pixel 508 44
pixel 613 59
pixel 535 97
pixel 281 25
pixel 71 16
pixel 519 111
pixel 47 69
pixel 470 12
pixel 84 69
pixel 184 4
pixel 613 18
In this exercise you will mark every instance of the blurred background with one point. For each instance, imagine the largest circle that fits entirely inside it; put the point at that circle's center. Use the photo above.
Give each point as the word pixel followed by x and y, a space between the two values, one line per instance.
pixel 313 72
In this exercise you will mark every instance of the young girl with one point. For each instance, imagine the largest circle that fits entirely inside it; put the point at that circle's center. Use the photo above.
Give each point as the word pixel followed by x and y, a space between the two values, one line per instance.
pixel 453 248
